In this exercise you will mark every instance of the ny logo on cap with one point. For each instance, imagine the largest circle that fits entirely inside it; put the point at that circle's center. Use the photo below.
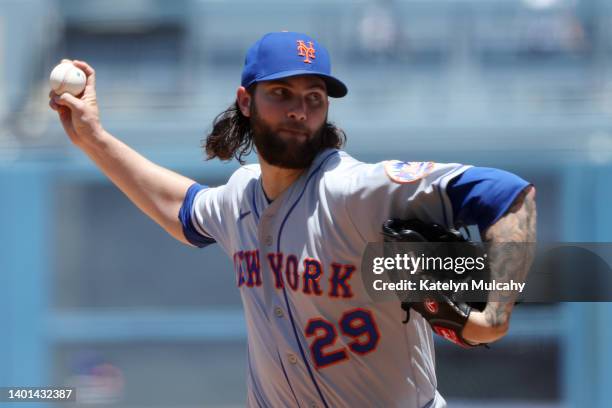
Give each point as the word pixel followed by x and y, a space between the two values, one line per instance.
pixel 306 51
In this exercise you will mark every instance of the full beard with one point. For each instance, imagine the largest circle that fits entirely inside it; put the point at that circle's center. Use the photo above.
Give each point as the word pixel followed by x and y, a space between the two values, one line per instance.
pixel 288 153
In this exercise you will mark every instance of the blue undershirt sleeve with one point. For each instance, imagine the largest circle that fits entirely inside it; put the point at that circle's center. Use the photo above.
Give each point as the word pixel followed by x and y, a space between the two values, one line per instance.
pixel 186 217
pixel 481 195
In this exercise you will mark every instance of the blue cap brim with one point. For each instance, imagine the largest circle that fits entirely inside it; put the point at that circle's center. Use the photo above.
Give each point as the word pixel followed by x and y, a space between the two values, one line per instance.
pixel 335 87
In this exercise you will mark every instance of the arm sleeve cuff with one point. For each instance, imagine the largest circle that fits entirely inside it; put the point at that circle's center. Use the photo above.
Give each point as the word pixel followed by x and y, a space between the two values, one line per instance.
pixel 186 217
pixel 481 196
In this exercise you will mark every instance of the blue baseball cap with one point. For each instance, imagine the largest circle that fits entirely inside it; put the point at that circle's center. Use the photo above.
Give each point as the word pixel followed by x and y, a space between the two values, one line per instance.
pixel 285 54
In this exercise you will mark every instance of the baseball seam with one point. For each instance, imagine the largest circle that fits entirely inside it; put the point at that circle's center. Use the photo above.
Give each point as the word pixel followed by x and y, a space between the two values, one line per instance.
pixel 60 89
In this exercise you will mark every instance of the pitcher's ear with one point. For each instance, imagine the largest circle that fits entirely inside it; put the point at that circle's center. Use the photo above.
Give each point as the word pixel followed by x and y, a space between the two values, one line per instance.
pixel 243 100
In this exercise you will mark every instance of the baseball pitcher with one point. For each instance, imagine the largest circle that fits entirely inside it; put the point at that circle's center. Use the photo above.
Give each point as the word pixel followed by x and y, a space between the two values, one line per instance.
pixel 296 224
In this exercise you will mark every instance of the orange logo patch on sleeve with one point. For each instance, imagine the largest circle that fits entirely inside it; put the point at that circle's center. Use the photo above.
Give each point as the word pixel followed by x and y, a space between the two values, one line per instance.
pixel 407 172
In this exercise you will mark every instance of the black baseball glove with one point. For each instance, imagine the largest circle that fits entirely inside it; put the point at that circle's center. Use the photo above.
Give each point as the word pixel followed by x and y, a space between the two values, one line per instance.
pixel 446 314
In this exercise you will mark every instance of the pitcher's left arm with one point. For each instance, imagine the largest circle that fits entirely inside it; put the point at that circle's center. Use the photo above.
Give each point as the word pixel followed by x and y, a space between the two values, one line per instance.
pixel 506 262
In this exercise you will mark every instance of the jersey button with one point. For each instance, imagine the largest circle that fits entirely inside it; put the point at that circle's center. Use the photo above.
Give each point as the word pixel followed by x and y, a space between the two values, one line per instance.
pixel 279 312
pixel 293 359
pixel 313 404
pixel 268 240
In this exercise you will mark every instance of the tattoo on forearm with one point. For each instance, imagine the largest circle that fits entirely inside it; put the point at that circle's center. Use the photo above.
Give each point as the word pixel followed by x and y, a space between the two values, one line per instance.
pixel 511 261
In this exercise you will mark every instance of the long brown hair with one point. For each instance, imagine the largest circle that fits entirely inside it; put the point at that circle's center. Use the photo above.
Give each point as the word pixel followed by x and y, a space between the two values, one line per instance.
pixel 231 136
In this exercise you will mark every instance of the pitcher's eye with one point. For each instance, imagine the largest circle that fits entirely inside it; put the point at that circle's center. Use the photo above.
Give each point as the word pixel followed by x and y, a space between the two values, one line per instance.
pixel 279 92
pixel 315 97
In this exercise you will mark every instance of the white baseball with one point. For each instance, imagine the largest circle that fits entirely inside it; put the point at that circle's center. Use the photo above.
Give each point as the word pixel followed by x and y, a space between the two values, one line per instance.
pixel 67 78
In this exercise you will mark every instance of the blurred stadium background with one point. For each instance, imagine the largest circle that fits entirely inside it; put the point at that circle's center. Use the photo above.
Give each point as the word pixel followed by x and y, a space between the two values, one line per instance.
pixel 92 293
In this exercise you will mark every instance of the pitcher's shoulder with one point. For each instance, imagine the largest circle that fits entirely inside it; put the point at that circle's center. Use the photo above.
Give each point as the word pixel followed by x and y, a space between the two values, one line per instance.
pixel 342 164
pixel 244 174
pixel 243 178
pixel 341 171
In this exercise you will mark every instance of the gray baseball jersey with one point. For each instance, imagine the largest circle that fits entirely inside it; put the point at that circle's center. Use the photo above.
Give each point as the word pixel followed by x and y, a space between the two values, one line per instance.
pixel 314 336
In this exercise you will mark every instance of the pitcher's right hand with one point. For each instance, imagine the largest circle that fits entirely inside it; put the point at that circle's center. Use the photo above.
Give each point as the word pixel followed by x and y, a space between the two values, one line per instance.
pixel 79 115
